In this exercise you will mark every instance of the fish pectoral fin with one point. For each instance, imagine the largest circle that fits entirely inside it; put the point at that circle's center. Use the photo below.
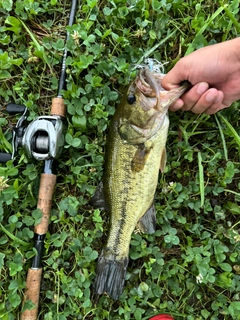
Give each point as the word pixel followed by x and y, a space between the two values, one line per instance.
pixel 110 274
pixel 98 200
pixel 139 160
pixel 163 160
pixel 147 224
pixel 131 133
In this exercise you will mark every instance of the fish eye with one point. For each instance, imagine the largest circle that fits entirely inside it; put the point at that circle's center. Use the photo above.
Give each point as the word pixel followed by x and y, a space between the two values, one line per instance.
pixel 131 98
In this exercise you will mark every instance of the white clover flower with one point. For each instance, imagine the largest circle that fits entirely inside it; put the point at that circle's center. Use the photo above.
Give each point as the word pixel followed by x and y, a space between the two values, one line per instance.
pixel 76 36
pixel 168 188
pixel 3 183
pixel 237 238
pixel 199 278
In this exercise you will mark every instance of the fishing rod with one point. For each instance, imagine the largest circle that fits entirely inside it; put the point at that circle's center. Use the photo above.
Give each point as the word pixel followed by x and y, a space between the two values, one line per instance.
pixel 42 140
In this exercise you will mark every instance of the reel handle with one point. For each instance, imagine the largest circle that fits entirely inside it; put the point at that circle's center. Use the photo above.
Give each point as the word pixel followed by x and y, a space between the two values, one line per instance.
pixel 18 130
pixel 5 157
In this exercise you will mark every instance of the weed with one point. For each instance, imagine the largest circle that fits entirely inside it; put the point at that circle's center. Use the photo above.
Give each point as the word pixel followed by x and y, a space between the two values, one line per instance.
pixel 190 266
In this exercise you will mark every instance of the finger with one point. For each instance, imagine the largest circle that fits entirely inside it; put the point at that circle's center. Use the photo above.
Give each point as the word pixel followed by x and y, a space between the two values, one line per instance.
pixel 189 99
pixel 175 76
pixel 217 105
pixel 209 102
pixel 178 104
pixel 192 97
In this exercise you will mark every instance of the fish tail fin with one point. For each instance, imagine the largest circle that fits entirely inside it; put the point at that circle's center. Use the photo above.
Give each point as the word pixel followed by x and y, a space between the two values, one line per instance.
pixel 110 275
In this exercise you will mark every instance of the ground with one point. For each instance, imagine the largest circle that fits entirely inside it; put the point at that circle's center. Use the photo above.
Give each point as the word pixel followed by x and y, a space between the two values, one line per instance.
pixel 190 267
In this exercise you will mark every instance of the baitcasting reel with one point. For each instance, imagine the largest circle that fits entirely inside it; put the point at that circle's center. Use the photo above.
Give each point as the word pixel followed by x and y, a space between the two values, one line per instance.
pixel 42 139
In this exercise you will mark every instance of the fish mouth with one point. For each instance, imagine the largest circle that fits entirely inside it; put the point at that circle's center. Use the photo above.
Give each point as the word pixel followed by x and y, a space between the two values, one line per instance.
pixel 150 86
pixel 148 83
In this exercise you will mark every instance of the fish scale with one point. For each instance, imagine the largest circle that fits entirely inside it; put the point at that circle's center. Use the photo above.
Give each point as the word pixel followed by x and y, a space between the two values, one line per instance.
pixel 137 191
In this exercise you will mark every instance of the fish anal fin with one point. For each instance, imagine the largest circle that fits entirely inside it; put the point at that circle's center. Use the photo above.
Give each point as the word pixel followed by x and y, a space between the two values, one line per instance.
pixel 163 160
pixel 147 224
pixel 110 275
pixel 98 199
pixel 140 158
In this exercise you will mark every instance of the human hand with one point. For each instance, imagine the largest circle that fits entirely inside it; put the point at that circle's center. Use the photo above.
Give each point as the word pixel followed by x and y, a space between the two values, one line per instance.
pixel 214 72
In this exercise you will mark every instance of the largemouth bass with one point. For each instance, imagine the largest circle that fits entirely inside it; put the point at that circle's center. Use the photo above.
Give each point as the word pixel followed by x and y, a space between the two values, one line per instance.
pixel 135 151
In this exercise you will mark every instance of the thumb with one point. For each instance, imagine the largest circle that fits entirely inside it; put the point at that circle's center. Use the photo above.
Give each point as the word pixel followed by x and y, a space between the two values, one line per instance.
pixel 174 77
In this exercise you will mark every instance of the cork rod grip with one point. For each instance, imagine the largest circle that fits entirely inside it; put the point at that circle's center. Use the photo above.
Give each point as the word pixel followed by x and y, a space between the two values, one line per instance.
pixel 58 108
pixel 45 195
pixel 32 293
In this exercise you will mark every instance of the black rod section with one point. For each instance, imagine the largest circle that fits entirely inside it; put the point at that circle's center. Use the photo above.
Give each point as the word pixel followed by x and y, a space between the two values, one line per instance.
pixel 39 246
pixel 62 76
pixel 49 166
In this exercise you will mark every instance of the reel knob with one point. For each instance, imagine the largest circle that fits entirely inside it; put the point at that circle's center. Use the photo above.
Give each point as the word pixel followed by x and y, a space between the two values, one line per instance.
pixel 13 108
pixel 5 157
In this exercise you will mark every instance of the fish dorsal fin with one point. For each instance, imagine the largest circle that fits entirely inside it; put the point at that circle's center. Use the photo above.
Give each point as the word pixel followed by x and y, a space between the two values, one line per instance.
pixel 147 224
pixel 163 160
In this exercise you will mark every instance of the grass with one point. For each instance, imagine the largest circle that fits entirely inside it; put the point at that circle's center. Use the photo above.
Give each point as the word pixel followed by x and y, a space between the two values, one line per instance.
pixel 190 267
